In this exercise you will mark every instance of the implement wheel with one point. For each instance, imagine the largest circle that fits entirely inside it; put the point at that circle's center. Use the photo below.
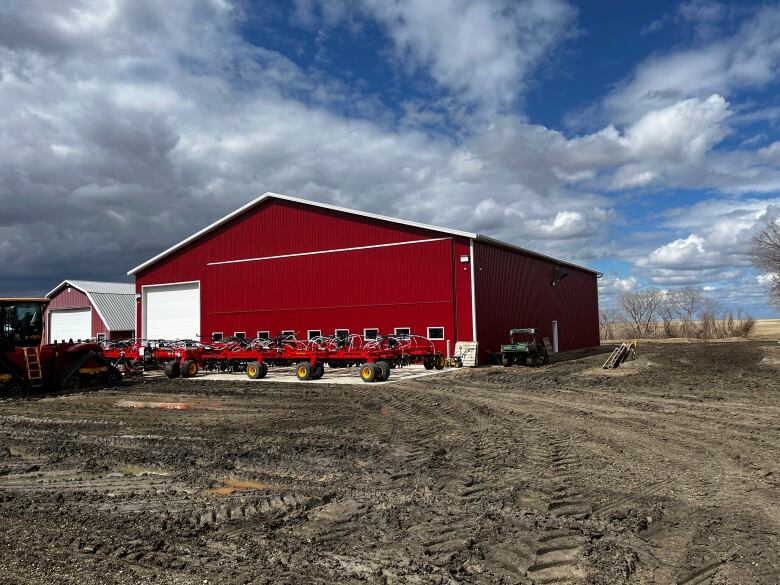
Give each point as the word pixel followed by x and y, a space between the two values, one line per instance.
pixel 189 369
pixel 172 369
pixel 368 372
pixel 438 362
pixel 256 370
pixel 384 371
pixel 530 361
pixel 506 360
pixel 304 371
pixel 428 363
pixel 319 371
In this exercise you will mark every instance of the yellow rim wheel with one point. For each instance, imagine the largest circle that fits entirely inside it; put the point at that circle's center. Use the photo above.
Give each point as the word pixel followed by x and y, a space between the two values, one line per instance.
pixel 252 371
pixel 301 372
pixel 365 373
pixel 192 369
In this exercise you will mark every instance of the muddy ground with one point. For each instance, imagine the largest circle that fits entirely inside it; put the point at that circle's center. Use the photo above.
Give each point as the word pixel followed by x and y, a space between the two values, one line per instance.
pixel 666 471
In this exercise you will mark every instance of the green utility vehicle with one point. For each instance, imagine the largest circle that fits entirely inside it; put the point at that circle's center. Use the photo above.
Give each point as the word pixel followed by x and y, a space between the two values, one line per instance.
pixel 524 349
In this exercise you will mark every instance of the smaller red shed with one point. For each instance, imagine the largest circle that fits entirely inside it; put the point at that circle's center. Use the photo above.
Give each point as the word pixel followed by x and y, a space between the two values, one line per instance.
pixel 84 309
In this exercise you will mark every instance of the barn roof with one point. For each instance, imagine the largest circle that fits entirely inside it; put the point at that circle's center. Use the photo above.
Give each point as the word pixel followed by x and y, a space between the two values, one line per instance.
pixel 114 301
pixel 363 214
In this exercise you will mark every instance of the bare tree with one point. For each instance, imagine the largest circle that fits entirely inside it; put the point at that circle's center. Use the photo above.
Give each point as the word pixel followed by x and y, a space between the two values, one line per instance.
pixel 608 319
pixel 690 302
pixel 641 309
pixel 766 256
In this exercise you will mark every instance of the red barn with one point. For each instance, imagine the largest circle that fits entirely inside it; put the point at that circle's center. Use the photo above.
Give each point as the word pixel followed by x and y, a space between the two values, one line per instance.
pixel 282 264
pixel 84 309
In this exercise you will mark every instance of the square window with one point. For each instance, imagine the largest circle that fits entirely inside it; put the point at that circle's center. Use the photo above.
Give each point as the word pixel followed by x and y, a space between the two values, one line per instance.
pixel 263 335
pixel 435 332
pixel 101 336
pixel 342 333
pixel 314 333
pixel 216 336
pixel 240 334
pixel 370 333
pixel 403 331
pixel 288 333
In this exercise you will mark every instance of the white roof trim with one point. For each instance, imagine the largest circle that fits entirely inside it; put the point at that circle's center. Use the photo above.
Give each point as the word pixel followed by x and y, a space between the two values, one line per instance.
pixel 58 287
pixel 269 195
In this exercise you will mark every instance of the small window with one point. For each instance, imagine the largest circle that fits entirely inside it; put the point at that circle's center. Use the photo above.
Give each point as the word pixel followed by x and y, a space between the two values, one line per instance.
pixel 240 334
pixel 216 336
pixel 288 332
pixel 403 331
pixel 100 337
pixel 435 332
pixel 263 335
pixel 314 333
pixel 341 333
pixel 370 333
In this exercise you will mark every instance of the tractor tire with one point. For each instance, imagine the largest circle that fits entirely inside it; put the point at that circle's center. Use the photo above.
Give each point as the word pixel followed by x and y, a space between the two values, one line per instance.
pixel 438 362
pixel 384 371
pixel 172 369
pixel 304 371
pixel 256 370
pixel 69 384
pixel 368 372
pixel 113 378
pixel 189 369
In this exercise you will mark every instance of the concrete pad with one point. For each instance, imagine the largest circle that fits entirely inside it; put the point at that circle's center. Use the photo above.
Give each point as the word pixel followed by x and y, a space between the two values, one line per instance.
pixel 331 376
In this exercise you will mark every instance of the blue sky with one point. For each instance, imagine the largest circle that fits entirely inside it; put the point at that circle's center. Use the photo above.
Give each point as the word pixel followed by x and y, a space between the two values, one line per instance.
pixel 641 139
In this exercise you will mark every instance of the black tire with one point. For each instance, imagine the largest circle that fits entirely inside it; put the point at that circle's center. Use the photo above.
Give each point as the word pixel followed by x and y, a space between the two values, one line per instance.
pixel 438 362
pixel 256 370
pixel 506 360
pixel 113 378
pixel 69 384
pixel 189 369
pixel 384 371
pixel 530 361
pixel 428 364
pixel 172 369
pixel 368 372
pixel 319 371
pixel 304 371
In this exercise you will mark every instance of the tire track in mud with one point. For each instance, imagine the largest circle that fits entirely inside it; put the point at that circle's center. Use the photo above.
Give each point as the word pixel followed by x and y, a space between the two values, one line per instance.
pixel 559 548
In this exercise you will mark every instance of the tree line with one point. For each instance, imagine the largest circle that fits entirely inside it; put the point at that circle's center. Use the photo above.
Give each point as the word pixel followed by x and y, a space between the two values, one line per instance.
pixel 685 312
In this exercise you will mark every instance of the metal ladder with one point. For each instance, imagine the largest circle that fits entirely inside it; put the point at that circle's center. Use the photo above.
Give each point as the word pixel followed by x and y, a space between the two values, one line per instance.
pixel 32 360
pixel 619 355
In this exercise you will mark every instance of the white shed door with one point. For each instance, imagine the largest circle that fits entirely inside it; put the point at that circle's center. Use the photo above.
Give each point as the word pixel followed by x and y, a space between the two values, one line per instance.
pixel 172 311
pixel 67 324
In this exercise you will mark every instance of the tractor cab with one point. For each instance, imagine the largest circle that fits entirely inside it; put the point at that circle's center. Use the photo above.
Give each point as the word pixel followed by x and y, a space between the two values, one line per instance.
pixel 21 323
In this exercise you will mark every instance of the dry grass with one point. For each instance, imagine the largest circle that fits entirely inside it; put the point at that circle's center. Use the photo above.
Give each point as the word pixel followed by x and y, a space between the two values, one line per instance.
pixel 767 329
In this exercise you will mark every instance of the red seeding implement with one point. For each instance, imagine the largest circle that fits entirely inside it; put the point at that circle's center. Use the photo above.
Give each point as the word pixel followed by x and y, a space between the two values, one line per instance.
pixel 375 357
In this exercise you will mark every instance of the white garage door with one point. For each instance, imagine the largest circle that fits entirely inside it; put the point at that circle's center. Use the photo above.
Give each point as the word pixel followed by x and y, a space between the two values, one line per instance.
pixel 172 311
pixel 67 324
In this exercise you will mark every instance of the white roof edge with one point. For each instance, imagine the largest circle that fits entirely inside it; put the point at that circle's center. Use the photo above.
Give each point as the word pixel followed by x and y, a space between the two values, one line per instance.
pixel 501 243
pixel 56 288
pixel 99 312
pixel 269 195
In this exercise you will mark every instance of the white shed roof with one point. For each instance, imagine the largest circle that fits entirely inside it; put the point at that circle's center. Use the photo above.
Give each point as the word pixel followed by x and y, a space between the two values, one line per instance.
pixel 114 301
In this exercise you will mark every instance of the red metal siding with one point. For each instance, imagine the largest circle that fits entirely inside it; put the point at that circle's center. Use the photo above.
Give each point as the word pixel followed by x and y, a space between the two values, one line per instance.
pixel 513 290
pixel 71 298
pixel 398 286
